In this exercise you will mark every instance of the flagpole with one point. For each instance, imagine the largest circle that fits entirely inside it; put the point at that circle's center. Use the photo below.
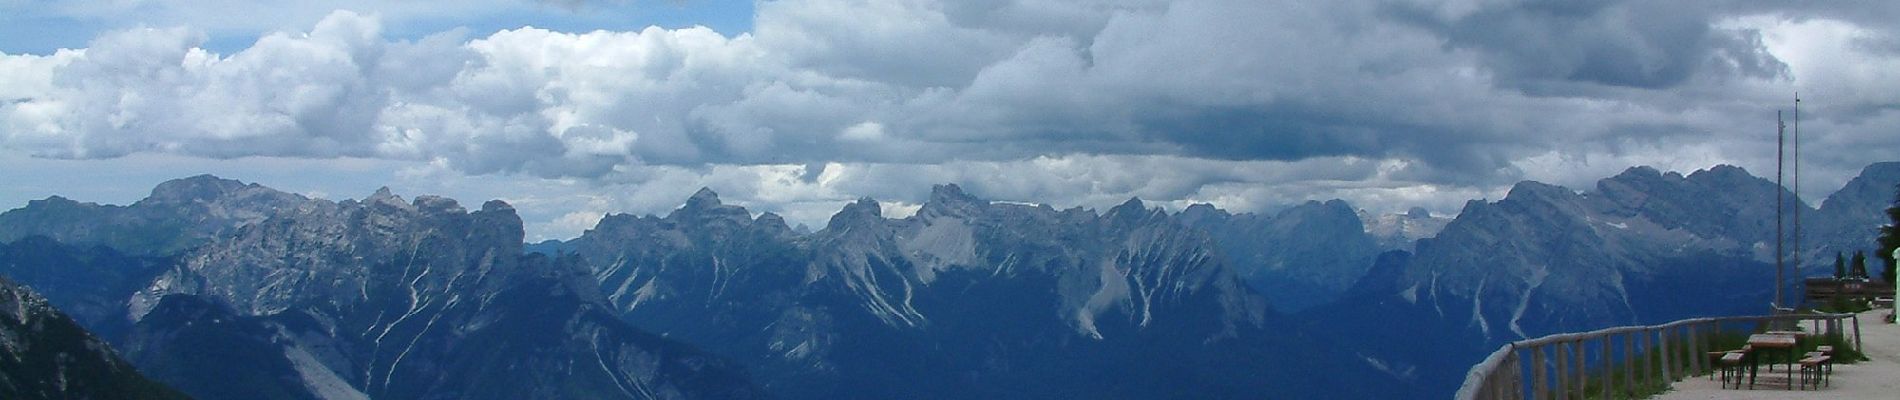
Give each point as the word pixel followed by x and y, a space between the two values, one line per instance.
pixel 1794 157
pixel 1780 144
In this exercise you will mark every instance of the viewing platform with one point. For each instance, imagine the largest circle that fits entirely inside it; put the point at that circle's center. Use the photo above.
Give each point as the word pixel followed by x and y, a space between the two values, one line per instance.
pixel 1790 355
pixel 1876 378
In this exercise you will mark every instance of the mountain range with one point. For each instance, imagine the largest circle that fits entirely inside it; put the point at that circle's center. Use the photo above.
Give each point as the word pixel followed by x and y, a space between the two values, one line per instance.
pixel 965 299
pixel 378 298
pixel 224 289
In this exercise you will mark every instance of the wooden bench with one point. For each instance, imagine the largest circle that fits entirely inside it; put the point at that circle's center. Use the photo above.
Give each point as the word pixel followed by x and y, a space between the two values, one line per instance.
pixel 1815 368
pixel 1828 353
pixel 1715 363
pixel 1731 362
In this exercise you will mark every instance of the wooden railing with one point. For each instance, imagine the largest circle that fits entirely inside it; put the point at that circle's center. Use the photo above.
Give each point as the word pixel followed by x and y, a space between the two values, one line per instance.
pixel 1558 367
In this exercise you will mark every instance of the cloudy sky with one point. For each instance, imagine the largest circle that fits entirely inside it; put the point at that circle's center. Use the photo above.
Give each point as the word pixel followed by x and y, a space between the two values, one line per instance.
pixel 571 108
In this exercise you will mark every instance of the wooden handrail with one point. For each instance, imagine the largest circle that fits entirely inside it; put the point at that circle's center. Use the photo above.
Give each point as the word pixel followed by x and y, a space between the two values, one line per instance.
pixel 1498 376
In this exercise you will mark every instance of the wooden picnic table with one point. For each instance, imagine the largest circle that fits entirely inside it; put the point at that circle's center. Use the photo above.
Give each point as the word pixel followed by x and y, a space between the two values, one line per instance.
pixel 1784 341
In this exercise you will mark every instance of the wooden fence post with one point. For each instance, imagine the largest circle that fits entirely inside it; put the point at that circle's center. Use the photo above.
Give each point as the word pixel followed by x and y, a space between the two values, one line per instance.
pixel 1563 371
pixel 1676 369
pixel 1629 364
pixel 1695 353
pixel 1609 375
pixel 1662 347
pixel 1649 372
pixel 1540 385
pixel 1517 376
pixel 1857 347
pixel 1583 368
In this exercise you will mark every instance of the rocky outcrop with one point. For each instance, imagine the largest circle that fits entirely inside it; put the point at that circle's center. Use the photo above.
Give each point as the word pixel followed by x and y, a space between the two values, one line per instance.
pixel 1301 257
pixel 45 355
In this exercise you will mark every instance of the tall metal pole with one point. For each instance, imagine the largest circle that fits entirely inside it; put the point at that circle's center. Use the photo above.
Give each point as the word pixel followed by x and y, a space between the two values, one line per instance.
pixel 1781 129
pixel 1795 158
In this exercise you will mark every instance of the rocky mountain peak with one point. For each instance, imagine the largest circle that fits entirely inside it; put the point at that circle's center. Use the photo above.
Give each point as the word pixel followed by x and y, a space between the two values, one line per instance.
pixel 1725 173
pixel 1850 218
pixel 497 206
pixel 950 193
pixel 704 206
pixel 614 221
pixel 1418 212
pixel 1473 204
pixel 1638 173
pixel 386 197
pixel 863 212
pixel 179 214
pixel 197 188
pixel 772 223
pixel 54 200
pixel 438 205
pixel 1536 191
pixel 1873 187
pixel 1198 208
pixel 56 204
pixel 1339 205
pixel 950 200
pixel 1129 212
pixel 1202 215
pixel 497 223
pixel 705 198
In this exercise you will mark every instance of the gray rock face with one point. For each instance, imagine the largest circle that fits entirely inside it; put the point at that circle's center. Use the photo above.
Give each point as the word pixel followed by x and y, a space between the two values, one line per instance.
pixel 378 298
pixel 1850 219
pixel 425 299
pixel 45 355
pixel 1548 259
pixel 179 214
pixel 316 254
pixel 964 299
pixel 90 284
pixel 1299 258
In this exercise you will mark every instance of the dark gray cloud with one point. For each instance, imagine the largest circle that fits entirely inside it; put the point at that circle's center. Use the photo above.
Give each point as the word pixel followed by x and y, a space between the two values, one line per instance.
pixel 1545 46
pixel 1438 99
